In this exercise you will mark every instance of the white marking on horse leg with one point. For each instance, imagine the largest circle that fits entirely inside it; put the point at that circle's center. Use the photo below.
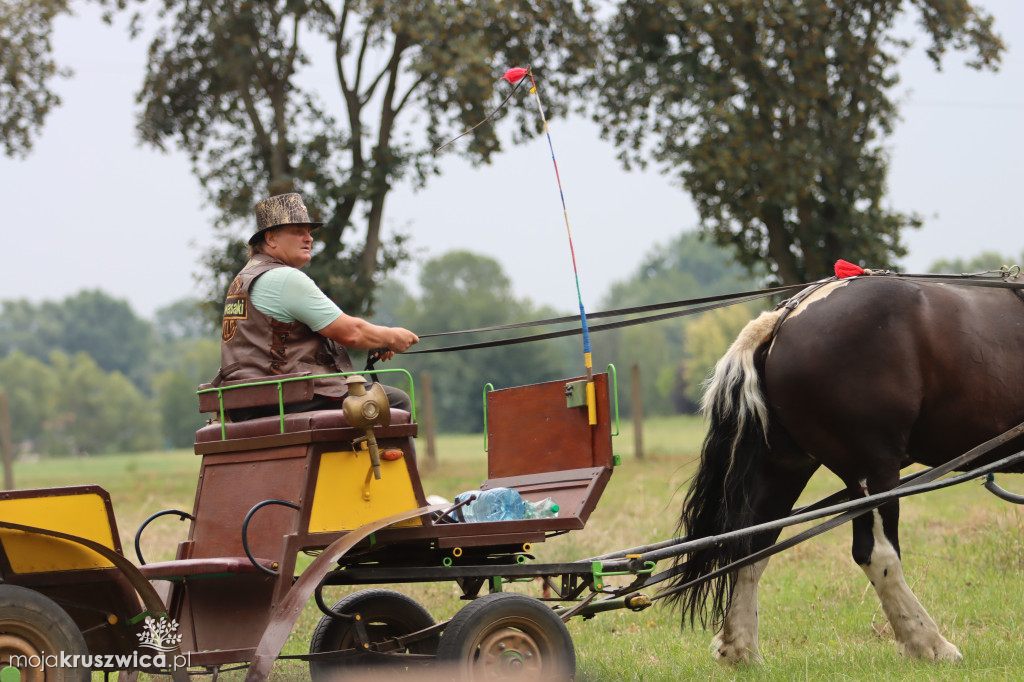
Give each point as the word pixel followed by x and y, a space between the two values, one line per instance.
pixel 913 627
pixel 736 642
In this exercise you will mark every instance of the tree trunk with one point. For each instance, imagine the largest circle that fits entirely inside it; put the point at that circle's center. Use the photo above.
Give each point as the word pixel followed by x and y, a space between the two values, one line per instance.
pixel 638 413
pixel 779 242
pixel 5 441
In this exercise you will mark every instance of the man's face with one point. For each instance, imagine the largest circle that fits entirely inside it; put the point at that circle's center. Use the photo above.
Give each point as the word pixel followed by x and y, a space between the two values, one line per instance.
pixel 290 244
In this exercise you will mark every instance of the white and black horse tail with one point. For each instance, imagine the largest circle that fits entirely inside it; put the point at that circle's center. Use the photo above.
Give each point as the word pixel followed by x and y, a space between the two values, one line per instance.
pixel 736 413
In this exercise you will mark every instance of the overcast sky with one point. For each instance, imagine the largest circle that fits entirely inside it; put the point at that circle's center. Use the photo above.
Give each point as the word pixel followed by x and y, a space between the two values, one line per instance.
pixel 94 210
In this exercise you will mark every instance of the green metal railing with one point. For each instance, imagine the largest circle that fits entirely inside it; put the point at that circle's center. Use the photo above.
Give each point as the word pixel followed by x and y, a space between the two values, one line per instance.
pixel 280 391
pixel 615 393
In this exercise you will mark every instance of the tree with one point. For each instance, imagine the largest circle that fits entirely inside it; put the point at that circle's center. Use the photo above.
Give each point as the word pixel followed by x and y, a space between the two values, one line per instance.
pixel 232 84
pixel 32 388
pixel 182 365
pixel 26 70
pixel 686 267
pixel 986 260
pixel 464 290
pixel 107 329
pixel 35 330
pixel 97 412
pixel 182 319
pixel 773 116
pixel 90 321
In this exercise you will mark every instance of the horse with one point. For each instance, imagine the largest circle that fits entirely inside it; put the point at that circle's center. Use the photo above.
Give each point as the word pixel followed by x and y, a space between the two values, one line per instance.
pixel 863 376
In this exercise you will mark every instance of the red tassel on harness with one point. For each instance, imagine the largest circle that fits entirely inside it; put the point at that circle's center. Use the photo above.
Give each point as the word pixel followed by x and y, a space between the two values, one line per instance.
pixel 846 269
pixel 514 75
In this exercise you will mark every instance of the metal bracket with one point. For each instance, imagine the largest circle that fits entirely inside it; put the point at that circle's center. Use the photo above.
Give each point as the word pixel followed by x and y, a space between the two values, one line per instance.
pixel 597 570
pixel 576 393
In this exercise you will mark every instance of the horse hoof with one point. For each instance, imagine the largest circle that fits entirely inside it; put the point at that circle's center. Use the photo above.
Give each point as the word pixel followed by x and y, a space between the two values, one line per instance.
pixel 940 650
pixel 948 652
pixel 734 652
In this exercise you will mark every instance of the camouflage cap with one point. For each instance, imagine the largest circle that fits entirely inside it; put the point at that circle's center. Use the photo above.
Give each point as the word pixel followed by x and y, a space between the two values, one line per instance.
pixel 283 209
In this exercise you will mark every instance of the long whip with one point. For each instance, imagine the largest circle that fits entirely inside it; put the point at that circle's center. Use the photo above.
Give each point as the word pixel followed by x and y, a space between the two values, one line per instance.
pixel 513 76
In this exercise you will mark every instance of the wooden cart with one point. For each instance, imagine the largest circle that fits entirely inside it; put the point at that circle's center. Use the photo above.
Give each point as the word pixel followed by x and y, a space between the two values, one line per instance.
pixel 277 486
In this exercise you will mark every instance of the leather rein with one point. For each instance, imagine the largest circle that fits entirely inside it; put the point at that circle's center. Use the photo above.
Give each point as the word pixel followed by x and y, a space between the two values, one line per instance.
pixel 1004 278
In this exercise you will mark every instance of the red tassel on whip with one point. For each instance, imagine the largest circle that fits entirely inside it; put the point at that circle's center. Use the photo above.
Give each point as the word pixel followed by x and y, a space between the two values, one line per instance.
pixel 515 75
pixel 846 269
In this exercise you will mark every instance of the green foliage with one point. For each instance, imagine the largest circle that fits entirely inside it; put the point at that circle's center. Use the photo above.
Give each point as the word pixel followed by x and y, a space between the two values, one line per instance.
pixel 687 267
pixel 31 387
pixel 184 319
pixel 91 322
pixel 463 290
pixel 94 412
pixel 26 70
pixel 184 363
pixel 106 329
pixel 35 330
pixel 82 374
pixel 176 401
pixel 233 85
pixel 987 260
pixel 773 116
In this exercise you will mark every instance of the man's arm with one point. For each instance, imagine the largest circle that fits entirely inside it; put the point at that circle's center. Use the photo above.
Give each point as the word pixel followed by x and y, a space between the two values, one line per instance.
pixel 357 333
pixel 302 300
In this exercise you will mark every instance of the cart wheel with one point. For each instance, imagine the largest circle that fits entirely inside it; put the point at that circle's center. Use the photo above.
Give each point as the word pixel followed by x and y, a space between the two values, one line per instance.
pixel 385 614
pixel 508 636
pixel 34 627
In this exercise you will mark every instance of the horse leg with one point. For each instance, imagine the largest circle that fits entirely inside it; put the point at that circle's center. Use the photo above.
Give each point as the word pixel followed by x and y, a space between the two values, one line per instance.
pixel 779 482
pixel 876 549
pixel 736 642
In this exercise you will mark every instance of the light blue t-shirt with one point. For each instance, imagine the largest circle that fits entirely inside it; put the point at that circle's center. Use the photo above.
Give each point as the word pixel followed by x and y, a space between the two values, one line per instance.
pixel 288 294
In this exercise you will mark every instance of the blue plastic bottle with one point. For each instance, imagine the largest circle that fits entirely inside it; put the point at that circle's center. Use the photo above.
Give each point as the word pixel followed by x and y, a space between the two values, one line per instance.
pixel 496 504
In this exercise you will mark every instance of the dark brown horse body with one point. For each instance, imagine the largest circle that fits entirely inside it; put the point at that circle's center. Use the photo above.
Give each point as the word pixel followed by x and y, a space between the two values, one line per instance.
pixel 864 376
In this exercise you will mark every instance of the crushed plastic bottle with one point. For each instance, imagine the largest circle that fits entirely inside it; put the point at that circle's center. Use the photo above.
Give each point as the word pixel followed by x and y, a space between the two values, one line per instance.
pixel 542 509
pixel 495 504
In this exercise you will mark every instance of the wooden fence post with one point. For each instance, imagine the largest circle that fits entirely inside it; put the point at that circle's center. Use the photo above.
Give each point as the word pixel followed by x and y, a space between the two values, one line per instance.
pixel 638 413
pixel 5 441
pixel 429 425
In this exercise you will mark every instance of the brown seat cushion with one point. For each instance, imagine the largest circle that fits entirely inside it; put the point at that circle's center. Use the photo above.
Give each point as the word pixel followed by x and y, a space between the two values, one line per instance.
pixel 293 423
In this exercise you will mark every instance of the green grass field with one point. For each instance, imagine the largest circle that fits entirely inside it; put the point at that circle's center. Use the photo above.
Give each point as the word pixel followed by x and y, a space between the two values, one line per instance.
pixel 963 556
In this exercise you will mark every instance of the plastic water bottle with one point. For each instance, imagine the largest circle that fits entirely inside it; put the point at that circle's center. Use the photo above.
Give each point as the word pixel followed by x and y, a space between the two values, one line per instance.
pixel 496 504
pixel 543 509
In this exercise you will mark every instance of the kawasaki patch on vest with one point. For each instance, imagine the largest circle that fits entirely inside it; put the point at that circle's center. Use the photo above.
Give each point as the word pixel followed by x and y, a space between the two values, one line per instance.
pixel 235 308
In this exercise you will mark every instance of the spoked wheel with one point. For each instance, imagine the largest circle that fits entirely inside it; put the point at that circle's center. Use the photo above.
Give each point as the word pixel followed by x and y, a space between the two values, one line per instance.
pixel 508 636
pixel 32 629
pixel 385 615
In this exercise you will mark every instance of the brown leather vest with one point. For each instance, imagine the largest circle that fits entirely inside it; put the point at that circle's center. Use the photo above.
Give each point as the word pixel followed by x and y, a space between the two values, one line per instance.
pixel 256 345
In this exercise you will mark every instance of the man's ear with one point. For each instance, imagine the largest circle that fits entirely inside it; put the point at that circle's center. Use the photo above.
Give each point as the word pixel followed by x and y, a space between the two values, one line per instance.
pixel 270 237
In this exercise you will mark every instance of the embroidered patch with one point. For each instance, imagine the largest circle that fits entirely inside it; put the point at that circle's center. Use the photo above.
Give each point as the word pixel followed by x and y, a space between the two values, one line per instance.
pixel 228 332
pixel 236 308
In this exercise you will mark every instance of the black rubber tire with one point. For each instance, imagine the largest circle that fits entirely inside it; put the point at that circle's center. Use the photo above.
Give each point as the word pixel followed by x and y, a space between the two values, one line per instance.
pixel 386 614
pixel 507 636
pixel 32 624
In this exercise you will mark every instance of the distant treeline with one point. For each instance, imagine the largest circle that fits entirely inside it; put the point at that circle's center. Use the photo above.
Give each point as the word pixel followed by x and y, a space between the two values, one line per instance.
pixel 86 375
